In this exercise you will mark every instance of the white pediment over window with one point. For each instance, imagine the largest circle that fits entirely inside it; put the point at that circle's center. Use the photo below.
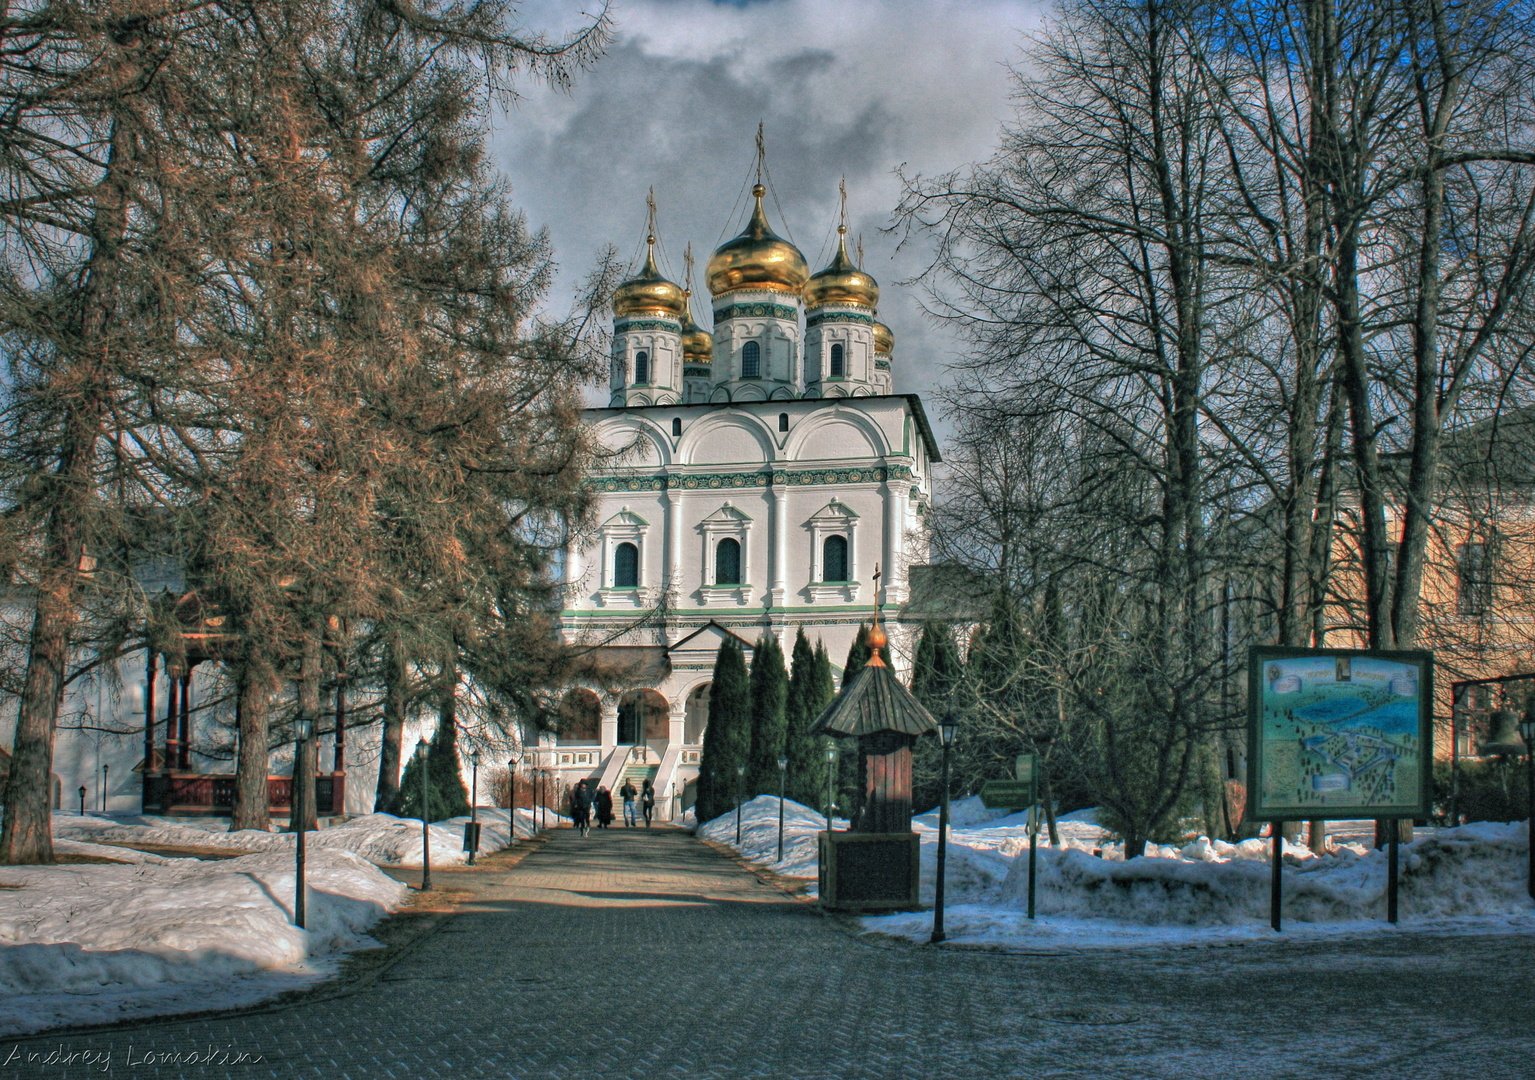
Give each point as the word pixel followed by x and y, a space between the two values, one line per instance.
pixel 727 517
pixel 626 519
pixel 833 515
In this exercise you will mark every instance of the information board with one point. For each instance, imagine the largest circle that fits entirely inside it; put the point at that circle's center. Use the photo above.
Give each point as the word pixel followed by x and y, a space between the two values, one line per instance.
pixel 1339 733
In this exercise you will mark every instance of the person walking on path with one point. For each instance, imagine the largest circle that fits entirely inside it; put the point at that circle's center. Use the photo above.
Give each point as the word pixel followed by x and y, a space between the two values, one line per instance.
pixel 628 793
pixel 604 807
pixel 581 808
pixel 648 801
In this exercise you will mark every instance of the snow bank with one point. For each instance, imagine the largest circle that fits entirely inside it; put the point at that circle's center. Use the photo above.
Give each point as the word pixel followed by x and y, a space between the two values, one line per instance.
pixel 91 943
pixel 1471 878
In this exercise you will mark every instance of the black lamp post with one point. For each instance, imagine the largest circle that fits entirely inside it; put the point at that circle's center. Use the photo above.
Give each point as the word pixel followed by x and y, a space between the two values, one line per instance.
pixel 831 780
pixel 783 774
pixel 948 727
pixel 474 804
pixel 104 770
pixel 740 783
pixel 303 730
pixel 1527 729
pixel 82 800
pixel 426 835
pixel 511 795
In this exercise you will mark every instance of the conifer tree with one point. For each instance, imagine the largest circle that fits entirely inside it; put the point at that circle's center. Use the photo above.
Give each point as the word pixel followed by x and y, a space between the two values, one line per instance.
pixel 727 737
pixel 935 676
pixel 769 689
pixel 810 689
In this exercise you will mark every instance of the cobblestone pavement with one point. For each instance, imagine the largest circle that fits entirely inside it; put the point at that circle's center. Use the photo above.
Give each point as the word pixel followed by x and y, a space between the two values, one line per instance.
pixel 638 953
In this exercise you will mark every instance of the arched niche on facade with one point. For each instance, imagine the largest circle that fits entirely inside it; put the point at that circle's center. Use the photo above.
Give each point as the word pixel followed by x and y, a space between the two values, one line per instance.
pixel 741 439
pixel 695 716
pixel 637 443
pixel 782 393
pixel 642 716
pixel 840 433
pixel 580 718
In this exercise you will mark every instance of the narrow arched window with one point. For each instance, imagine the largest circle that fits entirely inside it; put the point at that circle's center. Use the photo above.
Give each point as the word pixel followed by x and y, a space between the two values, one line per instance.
pixel 834 559
pixel 783 421
pixel 626 567
pixel 838 362
pixel 751 360
pixel 727 562
pixel 676 426
pixel 642 367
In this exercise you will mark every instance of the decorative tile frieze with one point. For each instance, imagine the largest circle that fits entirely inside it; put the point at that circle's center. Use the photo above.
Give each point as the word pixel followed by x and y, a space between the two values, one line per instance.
pixel 621 325
pixel 757 310
pixel 777 478
pixel 821 316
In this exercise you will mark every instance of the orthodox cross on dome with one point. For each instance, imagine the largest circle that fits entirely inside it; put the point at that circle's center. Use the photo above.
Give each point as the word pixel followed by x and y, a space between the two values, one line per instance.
pixel 687 269
pixel 761 153
pixel 877 638
pixel 842 207
pixel 860 251
pixel 650 218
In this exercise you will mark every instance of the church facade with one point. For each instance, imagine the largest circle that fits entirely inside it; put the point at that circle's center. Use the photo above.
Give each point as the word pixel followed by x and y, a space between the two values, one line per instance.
pixel 756 478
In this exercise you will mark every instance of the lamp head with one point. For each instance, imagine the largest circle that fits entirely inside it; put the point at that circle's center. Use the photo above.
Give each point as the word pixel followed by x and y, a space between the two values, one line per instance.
pixel 740 770
pixel 1527 724
pixel 948 729
pixel 783 762
pixel 831 754
pixel 303 729
pixel 474 758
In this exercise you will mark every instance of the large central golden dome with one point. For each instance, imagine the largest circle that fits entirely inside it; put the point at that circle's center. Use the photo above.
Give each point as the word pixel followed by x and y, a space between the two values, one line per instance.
pixel 842 282
pixel 757 259
pixel 648 293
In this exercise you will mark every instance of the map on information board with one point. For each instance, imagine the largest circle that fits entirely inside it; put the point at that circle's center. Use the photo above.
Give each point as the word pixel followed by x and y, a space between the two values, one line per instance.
pixel 1338 733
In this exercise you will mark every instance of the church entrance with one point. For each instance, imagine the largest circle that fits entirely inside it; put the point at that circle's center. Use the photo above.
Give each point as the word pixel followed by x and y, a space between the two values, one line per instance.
pixel 642 716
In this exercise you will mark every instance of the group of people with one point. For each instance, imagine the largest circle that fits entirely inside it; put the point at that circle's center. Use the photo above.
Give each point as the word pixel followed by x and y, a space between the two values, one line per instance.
pixel 588 800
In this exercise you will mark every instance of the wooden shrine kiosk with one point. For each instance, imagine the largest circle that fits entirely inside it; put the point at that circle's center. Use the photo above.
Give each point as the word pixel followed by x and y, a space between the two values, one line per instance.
pixel 170 783
pixel 874 865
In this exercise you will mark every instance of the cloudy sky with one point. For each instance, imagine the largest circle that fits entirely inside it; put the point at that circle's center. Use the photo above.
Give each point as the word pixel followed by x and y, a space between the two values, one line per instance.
pixel 855 88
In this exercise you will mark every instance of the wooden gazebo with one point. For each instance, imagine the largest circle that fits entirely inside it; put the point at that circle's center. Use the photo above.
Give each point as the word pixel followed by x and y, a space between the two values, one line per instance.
pixel 874 865
pixel 170 784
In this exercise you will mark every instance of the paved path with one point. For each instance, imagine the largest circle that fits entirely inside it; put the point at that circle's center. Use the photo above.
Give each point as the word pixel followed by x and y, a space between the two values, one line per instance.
pixel 648 955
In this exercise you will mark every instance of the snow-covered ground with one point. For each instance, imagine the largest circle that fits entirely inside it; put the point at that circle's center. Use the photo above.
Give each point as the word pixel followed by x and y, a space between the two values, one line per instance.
pixel 1470 879
pixel 150 935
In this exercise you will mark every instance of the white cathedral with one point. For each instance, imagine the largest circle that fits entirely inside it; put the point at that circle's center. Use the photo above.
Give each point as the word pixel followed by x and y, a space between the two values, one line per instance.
pixel 760 474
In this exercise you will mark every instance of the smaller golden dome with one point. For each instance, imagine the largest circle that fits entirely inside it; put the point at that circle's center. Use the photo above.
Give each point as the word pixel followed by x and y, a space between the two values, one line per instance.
pixel 841 282
pixel 757 259
pixel 697 343
pixel 649 293
pixel 884 340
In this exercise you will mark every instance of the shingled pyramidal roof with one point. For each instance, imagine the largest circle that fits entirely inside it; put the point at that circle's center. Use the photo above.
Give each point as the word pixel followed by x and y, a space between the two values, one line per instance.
pixel 875 701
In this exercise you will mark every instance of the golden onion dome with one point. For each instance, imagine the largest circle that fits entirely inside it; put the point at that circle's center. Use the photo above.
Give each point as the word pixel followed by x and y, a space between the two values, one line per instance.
pixel 757 259
pixel 884 340
pixel 697 343
pixel 649 293
pixel 842 282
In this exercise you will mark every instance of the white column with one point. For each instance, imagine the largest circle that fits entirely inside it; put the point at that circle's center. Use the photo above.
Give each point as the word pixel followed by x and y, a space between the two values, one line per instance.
pixel 780 549
pixel 609 729
pixel 673 541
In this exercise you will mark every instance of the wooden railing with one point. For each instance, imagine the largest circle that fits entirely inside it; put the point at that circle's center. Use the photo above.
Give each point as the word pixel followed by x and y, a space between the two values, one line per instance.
pixel 214 794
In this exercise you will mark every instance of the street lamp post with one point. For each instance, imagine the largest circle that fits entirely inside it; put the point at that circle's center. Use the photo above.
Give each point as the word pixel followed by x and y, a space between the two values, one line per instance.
pixel 740 782
pixel 105 768
pixel 1527 729
pixel 303 729
pixel 783 774
pixel 948 728
pixel 82 800
pixel 831 779
pixel 426 835
pixel 511 795
pixel 474 801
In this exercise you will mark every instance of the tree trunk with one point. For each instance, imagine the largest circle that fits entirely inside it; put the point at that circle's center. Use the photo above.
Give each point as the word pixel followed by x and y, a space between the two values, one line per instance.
pixel 253 687
pixel 26 836
pixel 393 735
